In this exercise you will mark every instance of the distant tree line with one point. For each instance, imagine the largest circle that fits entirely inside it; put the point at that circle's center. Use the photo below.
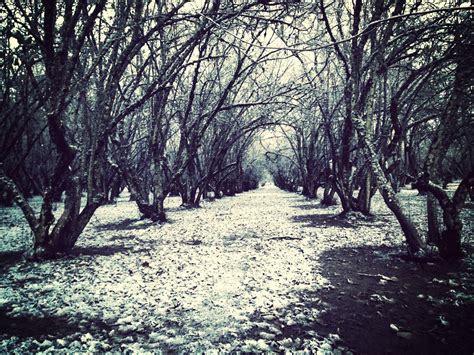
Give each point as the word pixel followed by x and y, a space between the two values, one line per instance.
pixel 160 97
pixel 389 103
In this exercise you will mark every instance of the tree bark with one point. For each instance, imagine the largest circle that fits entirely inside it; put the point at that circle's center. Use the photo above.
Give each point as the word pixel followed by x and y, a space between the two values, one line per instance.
pixel 450 239
pixel 412 237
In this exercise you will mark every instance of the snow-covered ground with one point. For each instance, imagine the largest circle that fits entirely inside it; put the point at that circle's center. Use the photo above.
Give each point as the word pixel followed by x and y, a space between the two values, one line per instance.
pixel 213 278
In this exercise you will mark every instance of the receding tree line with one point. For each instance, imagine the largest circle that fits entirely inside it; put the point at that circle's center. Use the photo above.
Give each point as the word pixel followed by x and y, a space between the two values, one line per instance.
pixel 390 106
pixel 167 97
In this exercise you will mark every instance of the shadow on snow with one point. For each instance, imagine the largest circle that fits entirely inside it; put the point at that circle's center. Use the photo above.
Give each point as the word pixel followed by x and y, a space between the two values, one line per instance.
pixel 428 305
pixel 126 224
pixel 323 221
pixel 10 258
pixel 105 250
pixel 35 327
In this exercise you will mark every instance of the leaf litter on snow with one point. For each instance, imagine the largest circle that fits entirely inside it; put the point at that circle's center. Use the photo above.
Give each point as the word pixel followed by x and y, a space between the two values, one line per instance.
pixel 220 277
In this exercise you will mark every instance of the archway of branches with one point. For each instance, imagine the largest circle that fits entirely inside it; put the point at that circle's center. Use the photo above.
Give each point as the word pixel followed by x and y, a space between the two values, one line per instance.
pixel 172 97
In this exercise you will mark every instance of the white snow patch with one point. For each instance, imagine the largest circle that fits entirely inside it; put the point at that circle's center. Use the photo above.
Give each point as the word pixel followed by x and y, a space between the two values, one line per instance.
pixel 193 284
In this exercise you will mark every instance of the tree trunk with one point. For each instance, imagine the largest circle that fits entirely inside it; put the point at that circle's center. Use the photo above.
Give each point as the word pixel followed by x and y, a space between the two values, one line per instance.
pixel 67 228
pixel 432 209
pixel 309 189
pixel 139 194
pixel 328 195
pixel 160 190
pixel 346 200
pixel 450 239
pixel 160 215
pixel 188 195
pixel 116 188
pixel 365 195
pixel 412 237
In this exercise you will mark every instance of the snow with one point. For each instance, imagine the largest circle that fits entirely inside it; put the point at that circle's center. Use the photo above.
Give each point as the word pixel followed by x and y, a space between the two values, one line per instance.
pixel 205 281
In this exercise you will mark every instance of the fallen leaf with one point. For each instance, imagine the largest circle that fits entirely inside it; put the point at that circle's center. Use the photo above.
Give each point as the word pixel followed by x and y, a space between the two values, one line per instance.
pixel 443 321
pixel 453 283
pixel 387 278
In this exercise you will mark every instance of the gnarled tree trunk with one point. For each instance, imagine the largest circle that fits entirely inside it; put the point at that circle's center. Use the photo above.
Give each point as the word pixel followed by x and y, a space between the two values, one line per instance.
pixel 450 238
pixel 412 237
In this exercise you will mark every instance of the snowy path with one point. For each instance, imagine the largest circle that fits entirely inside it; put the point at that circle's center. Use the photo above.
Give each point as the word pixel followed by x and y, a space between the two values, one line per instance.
pixel 217 277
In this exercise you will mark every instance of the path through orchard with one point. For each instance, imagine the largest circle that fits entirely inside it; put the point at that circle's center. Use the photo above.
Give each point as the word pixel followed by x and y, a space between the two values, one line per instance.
pixel 263 271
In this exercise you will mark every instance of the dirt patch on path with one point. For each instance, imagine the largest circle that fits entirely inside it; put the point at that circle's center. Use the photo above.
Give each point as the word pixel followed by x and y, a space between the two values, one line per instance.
pixel 383 305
